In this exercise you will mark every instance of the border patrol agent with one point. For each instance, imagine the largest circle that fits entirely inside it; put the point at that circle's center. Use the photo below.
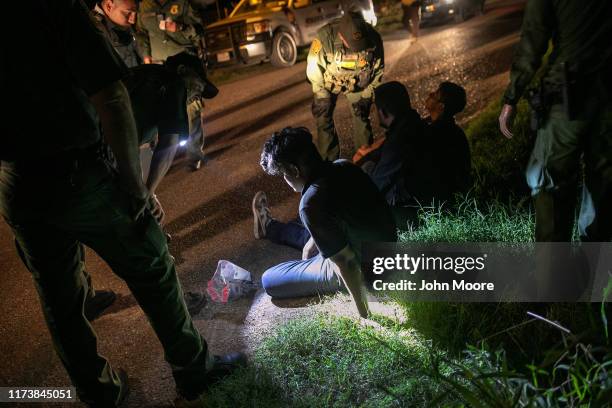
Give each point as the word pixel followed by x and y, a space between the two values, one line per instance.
pixel 122 37
pixel 573 115
pixel 56 192
pixel 166 28
pixel 346 57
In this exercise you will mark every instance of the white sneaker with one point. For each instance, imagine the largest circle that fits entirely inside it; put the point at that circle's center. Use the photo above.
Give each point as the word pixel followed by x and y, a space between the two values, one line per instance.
pixel 261 214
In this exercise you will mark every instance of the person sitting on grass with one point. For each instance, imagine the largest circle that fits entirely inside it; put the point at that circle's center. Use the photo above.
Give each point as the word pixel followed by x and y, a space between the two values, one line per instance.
pixel 340 209
pixel 416 164
pixel 452 148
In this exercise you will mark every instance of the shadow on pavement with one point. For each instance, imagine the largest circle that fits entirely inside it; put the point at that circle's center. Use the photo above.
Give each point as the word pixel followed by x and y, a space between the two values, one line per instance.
pixel 256 99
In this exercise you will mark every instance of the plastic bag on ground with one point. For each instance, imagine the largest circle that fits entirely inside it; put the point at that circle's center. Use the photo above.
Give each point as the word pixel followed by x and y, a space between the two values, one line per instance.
pixel 230 282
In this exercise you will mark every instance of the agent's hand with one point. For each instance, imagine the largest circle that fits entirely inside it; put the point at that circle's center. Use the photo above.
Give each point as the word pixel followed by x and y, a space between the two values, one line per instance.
pixel 170 26
pixel 147 59
pixel 309 250
pixel 157 211
pixel 506 120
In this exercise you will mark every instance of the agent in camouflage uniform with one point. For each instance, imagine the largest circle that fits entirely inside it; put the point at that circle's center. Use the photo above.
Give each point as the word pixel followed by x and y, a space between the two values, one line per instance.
pixel 167 28
pixel 346 57
pixel 116 18
pixel 575 115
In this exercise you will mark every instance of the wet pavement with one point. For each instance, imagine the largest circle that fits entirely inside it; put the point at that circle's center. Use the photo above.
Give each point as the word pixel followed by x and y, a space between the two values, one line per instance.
pixel 209 213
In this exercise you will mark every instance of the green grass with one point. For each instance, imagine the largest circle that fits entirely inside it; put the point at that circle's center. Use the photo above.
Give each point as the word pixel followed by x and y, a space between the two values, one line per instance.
pixel 498 164
pixel 325 361
pixel 473 222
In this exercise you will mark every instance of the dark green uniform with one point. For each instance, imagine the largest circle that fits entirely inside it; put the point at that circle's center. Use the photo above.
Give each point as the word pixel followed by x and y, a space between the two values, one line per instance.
pixel 122 38
pixel 57 192
pixel 159 45
pixel 334 69
pixel 577 119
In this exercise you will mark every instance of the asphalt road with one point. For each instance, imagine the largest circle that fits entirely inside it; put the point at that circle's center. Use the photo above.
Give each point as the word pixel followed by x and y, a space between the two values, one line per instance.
pixel 209 212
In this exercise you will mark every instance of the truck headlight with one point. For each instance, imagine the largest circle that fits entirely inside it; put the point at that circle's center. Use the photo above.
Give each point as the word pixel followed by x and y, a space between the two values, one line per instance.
pixel 257 28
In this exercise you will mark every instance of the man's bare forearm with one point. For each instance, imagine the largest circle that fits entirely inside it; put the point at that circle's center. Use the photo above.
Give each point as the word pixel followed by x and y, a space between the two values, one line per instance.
pixel 120 132
pixel 350 271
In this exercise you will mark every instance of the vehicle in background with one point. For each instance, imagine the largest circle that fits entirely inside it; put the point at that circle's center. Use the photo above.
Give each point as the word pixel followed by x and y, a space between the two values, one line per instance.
pixel 261 30
pixel 444 10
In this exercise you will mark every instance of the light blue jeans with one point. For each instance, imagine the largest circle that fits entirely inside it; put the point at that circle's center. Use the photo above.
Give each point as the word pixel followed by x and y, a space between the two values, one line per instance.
pixel 313 276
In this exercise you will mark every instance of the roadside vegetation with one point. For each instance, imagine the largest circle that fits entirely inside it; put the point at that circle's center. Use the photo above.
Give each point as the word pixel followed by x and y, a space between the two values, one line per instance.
pixel 445 354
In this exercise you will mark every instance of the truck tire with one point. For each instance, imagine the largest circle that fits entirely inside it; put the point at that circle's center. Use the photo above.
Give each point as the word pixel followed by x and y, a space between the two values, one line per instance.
pixel 284 50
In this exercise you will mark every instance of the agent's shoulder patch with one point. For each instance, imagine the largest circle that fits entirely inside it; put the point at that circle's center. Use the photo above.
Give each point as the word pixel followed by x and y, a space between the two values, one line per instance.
pixel 316 46
pixel 175 9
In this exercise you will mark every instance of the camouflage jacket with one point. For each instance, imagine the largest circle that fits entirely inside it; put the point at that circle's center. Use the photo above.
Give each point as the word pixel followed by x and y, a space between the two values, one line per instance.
pixel 580 32
pixel 332 68
pixel 160 44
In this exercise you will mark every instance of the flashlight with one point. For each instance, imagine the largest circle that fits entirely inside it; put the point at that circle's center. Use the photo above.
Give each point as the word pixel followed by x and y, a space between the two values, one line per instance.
pixel 182 143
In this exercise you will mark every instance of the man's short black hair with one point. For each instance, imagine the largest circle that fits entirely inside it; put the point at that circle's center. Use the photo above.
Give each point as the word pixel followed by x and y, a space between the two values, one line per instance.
pixel 289 146
pixel 392 97
pixel 453 97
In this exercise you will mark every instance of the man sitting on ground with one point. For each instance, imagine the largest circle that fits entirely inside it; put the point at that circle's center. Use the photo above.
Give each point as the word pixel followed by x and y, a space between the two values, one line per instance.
pixel 452 148
pixel 340 209
pixel 415 164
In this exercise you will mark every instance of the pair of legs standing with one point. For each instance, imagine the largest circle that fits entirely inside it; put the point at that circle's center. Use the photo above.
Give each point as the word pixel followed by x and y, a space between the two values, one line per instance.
pixel 87 207
pixel 327 138
pixel 195 145
pixel 553 175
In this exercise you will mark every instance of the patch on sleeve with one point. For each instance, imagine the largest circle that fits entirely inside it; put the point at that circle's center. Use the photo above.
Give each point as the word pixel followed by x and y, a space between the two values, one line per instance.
pixel 316 46
pixel 175 9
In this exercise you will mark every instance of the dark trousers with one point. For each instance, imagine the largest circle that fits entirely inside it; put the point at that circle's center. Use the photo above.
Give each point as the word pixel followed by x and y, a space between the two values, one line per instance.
pixel 292 234
pixel 411 19
pixel 553 175
pixel 86 207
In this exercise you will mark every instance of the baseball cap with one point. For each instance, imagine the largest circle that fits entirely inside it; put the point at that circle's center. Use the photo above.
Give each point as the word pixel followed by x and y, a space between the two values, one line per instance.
pixel 354 28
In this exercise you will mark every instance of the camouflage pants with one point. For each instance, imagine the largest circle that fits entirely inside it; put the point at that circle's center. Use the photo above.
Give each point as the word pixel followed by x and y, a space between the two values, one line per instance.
pixel 87 207
pixel 327 136
pixel 553 176
pixel 196 129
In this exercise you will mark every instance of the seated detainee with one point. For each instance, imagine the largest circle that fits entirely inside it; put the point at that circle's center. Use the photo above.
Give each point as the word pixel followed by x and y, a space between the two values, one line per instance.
pixel 403 141
pixel 340 209
pixel 451 146
pixel 416 164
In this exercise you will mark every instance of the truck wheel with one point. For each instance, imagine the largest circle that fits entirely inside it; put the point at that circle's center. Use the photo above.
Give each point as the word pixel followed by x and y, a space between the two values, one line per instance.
pixel 284 50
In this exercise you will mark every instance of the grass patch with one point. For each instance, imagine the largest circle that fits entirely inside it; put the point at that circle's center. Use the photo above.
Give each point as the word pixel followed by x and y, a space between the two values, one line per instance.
pixel 472 222
pixel 498 164
pixel 325 361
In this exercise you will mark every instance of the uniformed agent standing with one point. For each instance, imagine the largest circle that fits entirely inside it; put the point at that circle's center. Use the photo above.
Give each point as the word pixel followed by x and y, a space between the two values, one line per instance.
pixel 117 18
pixel 347 58
pixel 56 192
pixel 166 28
pixel 574 115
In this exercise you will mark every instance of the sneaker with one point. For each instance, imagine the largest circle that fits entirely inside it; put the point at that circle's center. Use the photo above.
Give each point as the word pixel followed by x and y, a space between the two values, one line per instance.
pixel 96 305
pixel 261 214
